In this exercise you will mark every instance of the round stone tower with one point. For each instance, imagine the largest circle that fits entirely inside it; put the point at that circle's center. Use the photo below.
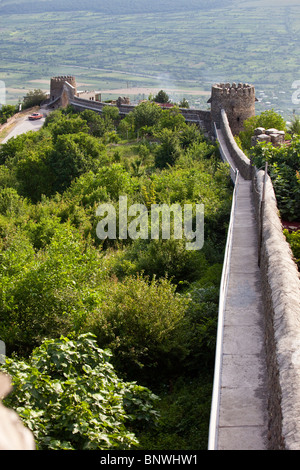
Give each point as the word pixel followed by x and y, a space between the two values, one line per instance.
pixel 57 84
pixel 238 101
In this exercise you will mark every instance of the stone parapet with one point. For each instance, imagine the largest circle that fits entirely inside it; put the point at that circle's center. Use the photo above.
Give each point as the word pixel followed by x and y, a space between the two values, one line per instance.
pixel 241 162
pixel 281 287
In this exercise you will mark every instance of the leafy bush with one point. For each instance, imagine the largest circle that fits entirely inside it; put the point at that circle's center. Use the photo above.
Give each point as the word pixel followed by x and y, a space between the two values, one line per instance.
pixel 163 258
pixel 267 119
pixel 138 321
pixel 145 114
pixel 169 148
pixel 161 97
pixel 294 127
pixel 97 125
pixel 73 155
pixel 185 411
pixel 284 163
pixel 45 293
pixel 293 239
pixel 69 124
pixel 34 98
pixel 6 112
pixel 68 394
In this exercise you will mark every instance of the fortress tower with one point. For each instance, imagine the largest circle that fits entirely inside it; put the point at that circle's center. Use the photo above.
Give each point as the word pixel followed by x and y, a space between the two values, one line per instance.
pixel 57 86
pixel 237 100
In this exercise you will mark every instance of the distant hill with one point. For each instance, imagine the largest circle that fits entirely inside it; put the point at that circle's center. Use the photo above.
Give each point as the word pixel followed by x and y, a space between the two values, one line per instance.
pixel 111 7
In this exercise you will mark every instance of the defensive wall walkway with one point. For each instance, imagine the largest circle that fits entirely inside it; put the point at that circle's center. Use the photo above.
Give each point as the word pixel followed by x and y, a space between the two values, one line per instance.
pixel 199 117
pixel 256 393
pixel 239 411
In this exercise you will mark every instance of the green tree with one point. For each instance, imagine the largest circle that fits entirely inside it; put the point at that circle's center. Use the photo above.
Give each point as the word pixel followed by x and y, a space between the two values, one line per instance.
pixel 49 291
pixel 171 119
pixel 169 149
pixel 184 103
pixel 6 112
pixel 69 395
pixel 97 125
pixel 294 127
pixel 111 114
pixel 146 114
pixel 138 320
pixel 267 119
pixel 34 177
pixel 162 97
pixel 34 98
pixel 284 164
pixel 17 145
pixel 70 124
pixel 73 155
pixel 293 239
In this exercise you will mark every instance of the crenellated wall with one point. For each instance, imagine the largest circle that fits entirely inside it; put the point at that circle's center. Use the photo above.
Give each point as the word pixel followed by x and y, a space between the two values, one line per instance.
pixel 57 85
pixel 238 101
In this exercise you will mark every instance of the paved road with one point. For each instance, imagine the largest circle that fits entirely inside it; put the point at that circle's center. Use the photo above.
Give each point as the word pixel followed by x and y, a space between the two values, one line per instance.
pixel 23 125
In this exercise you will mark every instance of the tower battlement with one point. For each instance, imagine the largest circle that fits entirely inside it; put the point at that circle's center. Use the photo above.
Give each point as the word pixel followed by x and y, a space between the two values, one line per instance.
pixel 227 89
pixel 57 84
pixel 238 100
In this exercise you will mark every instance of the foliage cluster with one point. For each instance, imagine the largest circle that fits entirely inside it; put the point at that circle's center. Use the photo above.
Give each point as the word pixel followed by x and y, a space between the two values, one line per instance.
pixel 283 167
pixel 283 161
pixel 34 98
pixel 63 389
pixel 293 239
pixel 267 119
pixel 152 303
pixel 6 112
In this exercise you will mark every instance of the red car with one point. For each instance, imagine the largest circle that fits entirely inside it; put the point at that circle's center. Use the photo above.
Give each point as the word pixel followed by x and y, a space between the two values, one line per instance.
pixel 35 116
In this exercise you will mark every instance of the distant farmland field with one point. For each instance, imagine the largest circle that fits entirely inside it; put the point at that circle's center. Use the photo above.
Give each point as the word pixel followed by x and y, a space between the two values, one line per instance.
pixel 186 50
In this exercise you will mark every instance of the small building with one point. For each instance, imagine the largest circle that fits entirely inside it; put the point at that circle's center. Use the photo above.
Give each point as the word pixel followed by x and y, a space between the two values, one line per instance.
pixel 89 95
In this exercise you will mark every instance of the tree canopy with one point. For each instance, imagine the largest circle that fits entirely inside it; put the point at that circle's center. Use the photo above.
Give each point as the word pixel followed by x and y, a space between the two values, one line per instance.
pixel 152 303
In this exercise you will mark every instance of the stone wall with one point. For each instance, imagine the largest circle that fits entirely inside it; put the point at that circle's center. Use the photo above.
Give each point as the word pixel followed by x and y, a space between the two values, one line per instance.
pixel 281 297
pixel 241 161
pixel 203 118
pixel 81 104
pixel 281 287
pixel 198 116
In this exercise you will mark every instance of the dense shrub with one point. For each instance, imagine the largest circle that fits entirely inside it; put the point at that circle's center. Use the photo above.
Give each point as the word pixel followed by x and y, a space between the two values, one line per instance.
pixel 283 167
pixel 45 293
pixel 139 320
pixel 293 239
pixel 34 98
pixel 6 112
pixel 185 411
pixel 267 119
pixel 68 394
